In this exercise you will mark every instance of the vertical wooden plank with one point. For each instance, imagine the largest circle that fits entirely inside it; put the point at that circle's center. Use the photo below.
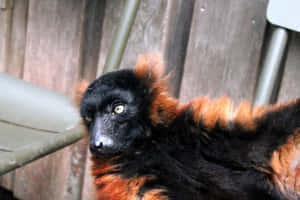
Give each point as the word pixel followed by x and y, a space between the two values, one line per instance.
pixel 180 18
pixel 52 60
pixel 5 21
pixel 53 44
pixel 76 172
pixel 88 189
pixel 290 85
pixel 224 49
pixel 13 63
pixel 6 181
pixel 92 38
pixel 17 42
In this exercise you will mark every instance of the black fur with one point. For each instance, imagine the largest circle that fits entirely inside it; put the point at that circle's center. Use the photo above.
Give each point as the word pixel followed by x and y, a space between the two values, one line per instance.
pixel 188 160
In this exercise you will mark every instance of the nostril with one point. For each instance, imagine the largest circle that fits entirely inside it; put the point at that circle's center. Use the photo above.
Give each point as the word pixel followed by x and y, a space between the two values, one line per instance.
pixel 99 144
pixel 96 146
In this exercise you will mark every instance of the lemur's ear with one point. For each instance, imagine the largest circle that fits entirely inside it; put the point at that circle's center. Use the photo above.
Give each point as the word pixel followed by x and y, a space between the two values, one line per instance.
pixel 80 89
pixel 149 67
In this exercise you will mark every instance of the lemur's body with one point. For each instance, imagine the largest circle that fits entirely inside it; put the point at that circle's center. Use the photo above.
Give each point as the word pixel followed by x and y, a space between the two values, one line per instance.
pixel 147 146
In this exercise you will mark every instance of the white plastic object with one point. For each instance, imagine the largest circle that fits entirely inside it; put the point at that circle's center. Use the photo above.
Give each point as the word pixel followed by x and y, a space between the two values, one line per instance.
pixel 284 13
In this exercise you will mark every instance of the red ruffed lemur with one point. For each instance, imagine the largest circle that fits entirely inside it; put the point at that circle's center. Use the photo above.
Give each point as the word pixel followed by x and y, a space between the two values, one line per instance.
pixel 147 146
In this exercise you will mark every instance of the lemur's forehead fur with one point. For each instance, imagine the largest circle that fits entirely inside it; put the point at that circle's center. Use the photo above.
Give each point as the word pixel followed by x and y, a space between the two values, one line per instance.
pixel 123 79
pixel 146 74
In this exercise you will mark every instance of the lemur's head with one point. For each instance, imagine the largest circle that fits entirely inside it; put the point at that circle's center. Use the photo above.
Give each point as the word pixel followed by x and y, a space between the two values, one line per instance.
pixel 119 107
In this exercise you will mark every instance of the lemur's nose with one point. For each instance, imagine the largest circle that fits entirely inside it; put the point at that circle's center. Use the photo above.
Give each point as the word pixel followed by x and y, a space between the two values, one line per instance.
pixel 102 145
pixel 100 142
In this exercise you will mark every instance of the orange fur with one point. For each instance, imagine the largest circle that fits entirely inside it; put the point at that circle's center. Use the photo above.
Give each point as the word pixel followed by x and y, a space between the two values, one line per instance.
pixel 219 110
pixel 155 194
pixel 285 163
pixel 114 187
pixel 211 112
pixel 165 108
pixel 278 107
pixel 80 89
pixel 246 116
pixel 197 105
pixel 101 167
pixel 150 68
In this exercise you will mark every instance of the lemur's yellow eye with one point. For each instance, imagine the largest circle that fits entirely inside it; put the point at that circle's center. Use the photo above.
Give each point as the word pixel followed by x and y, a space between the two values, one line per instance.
pixel 119 109
pixel 88 119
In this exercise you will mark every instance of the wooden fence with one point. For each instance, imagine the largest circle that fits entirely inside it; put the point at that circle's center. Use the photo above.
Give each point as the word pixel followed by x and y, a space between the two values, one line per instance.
pixel 213 48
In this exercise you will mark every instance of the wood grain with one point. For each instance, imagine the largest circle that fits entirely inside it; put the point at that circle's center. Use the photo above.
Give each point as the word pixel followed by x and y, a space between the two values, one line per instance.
pixel 13 58
pixel 224 49
pixel 6 180
pixel 148 32
pixel 53 60
pixel 92 38
pixel 88 189
pixel 17 42
pixel 5 21
pixel 179 24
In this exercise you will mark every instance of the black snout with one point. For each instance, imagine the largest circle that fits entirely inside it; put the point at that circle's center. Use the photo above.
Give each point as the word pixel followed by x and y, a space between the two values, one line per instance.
pixel 94 146
pixel 101 144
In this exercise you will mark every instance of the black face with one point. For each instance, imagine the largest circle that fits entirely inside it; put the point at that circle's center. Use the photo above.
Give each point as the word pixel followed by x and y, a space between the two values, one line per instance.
pixel 114 110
